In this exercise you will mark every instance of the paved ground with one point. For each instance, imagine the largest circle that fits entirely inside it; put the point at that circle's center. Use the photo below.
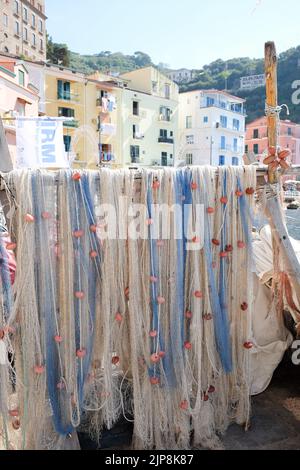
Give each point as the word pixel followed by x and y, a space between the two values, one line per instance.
pixel 275 424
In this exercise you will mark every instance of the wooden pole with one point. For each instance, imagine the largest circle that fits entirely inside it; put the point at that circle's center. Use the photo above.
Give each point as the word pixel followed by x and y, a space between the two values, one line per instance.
pixel 272 100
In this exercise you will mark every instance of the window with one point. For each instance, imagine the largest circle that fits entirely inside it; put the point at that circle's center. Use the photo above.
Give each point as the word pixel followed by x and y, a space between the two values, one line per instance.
pixel 5 19
pixel 165 114
pixel 167 91
pixel 223 121
pixel 135 131
pixel 223 142
pixel 205 119
pixel 221 160
pixel 210 101
pixel 67 142
pixel 154 87
pixel 16 7
pixel 190 139
pixel 255 149
pixel 25 14
pixel 66 112
pixel 255 134
pixel 188 122
pixel 171 133
pixel 135 153
pixel 33 39
pixel 25 34
pixel 163 133
pixel 236 124
pixel 33 20
pixel 235 161
pixel 135 108
pixel 21 78
pixel 164 159
pixel 189 159
pixel 63 90
pixel 289 131
pixel 246 149
pixel 40 26
pixel 17 28
pixel 223 104
pixel 235 145
pixel 41 45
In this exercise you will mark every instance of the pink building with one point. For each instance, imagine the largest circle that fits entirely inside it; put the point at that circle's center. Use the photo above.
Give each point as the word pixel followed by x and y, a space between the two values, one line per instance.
pixel 17 97
pixel 257 138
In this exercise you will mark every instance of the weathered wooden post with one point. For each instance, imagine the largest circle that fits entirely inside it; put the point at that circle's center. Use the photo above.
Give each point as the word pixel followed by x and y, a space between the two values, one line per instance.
pixel 272 102
pixel 284 255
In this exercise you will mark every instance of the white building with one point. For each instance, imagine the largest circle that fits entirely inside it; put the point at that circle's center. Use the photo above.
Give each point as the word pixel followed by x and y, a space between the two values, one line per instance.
pixel 149 128
pixel 181 75
pixel 211 128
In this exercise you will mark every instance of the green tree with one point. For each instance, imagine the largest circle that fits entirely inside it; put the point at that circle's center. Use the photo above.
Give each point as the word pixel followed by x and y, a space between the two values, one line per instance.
pixel 58 53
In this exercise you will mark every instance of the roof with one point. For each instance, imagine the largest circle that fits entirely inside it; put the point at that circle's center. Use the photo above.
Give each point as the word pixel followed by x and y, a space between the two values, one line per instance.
pixel 164 74
pixel 264 119
pixel 223 92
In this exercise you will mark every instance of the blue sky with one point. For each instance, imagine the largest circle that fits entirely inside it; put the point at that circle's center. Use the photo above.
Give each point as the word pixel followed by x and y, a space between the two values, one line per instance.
pixel 181 33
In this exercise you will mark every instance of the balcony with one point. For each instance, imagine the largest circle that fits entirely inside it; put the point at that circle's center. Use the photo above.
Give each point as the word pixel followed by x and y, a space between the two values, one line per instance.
pixel 164 118
pixel 232 149
pixel 165 140
pixel 67 96
pixel 71 124
pixel 226 106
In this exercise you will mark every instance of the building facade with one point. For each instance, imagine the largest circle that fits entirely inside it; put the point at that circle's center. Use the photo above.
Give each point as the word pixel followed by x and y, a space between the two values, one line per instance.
pixel 23 28
pixel 257 138
pixel 18 97
pixel 181 75
pixel 149 119
pixel 123 121
pixel 211 128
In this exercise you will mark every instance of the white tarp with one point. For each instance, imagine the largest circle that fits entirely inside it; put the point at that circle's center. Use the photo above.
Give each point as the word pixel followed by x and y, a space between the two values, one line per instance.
pixel 270 337
pixel 40 143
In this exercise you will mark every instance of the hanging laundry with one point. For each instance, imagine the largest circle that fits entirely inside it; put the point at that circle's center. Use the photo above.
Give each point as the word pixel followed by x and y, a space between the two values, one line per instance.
pixel 108 129
pixel 104 102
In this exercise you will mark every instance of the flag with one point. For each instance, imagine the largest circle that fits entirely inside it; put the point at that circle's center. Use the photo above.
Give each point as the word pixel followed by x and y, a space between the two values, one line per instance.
pixel 40 143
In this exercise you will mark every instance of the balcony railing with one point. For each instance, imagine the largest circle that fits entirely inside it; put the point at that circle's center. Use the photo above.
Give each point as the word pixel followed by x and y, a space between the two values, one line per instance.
pixel 165 140
pixel 220 104
pixel 72 124
pixel 231 148
pixel 164 118
pixel 67 96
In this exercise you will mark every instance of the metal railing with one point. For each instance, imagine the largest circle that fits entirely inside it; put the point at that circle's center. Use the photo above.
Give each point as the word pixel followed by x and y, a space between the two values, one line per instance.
pixel 165 140
pixel 72 124
pixel 227 107
pixel 67 96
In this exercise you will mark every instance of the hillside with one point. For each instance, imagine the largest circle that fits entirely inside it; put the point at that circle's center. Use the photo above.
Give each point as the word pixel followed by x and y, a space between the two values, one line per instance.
pixel 213 75
pixel 109 62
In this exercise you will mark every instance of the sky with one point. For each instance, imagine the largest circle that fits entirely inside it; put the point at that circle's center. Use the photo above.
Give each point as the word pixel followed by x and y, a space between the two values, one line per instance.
pixel 180 33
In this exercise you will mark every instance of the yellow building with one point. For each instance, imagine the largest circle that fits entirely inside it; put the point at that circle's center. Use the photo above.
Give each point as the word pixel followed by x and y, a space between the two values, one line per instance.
pixel 129 120
pixel 89 104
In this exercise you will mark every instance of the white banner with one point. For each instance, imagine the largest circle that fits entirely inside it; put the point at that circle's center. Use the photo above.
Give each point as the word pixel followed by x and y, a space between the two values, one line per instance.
pixel 40 143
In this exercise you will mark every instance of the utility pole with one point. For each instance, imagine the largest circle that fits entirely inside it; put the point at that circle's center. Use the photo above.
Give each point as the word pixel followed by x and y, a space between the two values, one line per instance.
pixel 272 101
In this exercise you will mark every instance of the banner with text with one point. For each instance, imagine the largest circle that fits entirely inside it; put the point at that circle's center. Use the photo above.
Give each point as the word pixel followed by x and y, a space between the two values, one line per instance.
pixel 40 143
